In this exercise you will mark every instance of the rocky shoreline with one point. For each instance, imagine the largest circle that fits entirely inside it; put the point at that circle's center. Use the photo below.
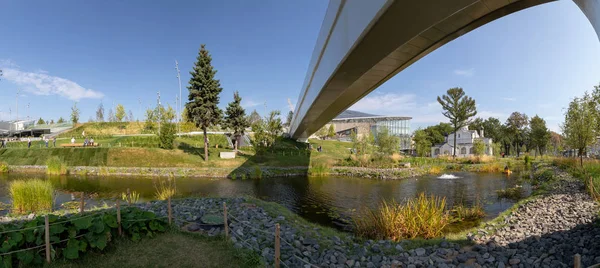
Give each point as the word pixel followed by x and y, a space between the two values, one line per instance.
pixel 544 232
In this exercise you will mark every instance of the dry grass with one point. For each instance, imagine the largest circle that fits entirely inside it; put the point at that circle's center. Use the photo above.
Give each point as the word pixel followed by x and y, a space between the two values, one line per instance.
pixel 464 213
pixel 423 217
pixel 434 170
pixel 479 159
pixel 165 188
pixel 492 167
pixel 396 157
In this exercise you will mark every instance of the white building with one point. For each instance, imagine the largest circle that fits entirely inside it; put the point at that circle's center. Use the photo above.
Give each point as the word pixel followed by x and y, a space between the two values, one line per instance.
pixel 465 140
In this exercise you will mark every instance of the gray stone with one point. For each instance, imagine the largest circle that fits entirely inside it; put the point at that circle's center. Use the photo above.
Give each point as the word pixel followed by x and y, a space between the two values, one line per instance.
pixel 333 259
pixel 399 248
pixel 350 263
pixel 514 261
pixel 370 265
pixel 194 227
pixel 420 251
pixel 376 259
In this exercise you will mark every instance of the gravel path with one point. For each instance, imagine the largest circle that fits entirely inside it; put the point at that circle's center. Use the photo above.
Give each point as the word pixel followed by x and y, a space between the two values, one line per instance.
pixel 545 232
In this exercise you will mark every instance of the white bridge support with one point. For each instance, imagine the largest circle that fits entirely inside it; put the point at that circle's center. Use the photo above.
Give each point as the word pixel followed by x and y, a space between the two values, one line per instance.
pixel 362 44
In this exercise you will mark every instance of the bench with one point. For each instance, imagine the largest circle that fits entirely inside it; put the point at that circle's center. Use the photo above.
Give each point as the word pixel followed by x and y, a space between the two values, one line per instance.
pixel 70 145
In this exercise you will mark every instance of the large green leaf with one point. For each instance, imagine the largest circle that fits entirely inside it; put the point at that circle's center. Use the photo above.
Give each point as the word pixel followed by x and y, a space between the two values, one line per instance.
pixel 72 249
pixel 25 257
pixel 101 242
pixel 111 221
pixel 98 226
pixel 83 223
pixel 16 237
pixel 57 229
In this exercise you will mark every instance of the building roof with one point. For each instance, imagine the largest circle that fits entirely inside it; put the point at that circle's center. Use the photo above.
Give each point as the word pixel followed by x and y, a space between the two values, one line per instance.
pixel 356 115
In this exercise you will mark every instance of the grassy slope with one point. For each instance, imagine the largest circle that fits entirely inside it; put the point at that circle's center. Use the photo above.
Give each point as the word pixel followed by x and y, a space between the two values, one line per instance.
pixel 172 249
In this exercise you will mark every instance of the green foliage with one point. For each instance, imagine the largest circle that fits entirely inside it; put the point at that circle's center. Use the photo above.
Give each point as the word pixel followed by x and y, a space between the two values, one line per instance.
pixel 235 117
pixel 212 219
pixel 422 143
pixel 257 174
pixel 458 108
pixel 167 136
pixel 73 237
pixel 331 131
pixel 527 160
pixel 55 166
pixel 423 217
pixel 319 168
pixel 204 92
pixel 362 145
pixel 478 147
pixel 74 114
pixel 387 143
pixel 60 120
pixel 322 132
pixel 120 112
pixel 253 117
pixel 290 116
pixel 514 193
pixel 516 128
pixel 3 167
pixel 100 113
pixel 266 132
pixel 463 213
pixel 31 195
pixel 539 135
pixel 41 121
pixel 580 126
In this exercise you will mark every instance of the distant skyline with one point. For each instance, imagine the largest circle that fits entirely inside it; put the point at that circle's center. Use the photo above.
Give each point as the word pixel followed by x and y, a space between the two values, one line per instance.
pixel 119 52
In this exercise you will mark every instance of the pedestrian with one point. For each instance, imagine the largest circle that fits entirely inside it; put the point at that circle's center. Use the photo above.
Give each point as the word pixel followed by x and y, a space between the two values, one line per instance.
pixel 54 141
pixel 28 142
pixel 46 140
pixel 73 140
pixel 3 144
pixel 92 141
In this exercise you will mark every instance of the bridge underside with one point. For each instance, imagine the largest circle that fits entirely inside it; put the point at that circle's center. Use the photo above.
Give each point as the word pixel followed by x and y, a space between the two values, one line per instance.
pixel 362 44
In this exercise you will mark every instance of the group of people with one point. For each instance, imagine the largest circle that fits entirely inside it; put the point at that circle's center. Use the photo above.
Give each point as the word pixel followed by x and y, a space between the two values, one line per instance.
pixel 86 141
pixel 3 142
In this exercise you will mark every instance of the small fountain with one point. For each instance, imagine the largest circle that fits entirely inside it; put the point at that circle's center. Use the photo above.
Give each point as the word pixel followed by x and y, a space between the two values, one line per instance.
pixel 448 177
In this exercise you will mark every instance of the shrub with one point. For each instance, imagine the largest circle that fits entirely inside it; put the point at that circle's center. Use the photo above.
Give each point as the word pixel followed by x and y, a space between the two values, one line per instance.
pixel 435 170
pixel 491 167
pixel 514 193
pixel 463 213
pixel 527 160
pixel 420 217
pixel 31 195
pixel 396 157
pixel 167 136
pixel 257 174
pixel 3 167
pixel 233 176
pixel 319 169
pixel 55 166
pixel 165 189
pixel 133 197
pixel 72 237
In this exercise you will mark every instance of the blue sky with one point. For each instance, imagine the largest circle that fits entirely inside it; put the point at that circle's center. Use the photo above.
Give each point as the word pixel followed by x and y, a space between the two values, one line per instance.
pixel 59 52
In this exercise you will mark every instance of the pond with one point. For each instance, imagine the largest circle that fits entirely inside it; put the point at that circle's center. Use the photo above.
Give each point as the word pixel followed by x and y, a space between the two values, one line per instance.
pixel 325 200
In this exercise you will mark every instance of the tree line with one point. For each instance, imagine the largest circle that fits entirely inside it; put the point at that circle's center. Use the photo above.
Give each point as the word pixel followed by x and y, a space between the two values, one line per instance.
pixel 582 122
pixel 519 132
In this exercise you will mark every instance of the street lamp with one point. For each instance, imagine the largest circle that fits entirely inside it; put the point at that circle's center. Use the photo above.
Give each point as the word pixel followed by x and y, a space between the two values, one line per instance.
pixel 158 101
pixel 180 97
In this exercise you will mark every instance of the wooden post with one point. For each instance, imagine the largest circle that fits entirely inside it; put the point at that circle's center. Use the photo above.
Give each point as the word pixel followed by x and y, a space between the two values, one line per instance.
pixel 277 246
pixel 47 235
pixel 128 197
pixel 169 209
pixel 226 226
pixel 577 261
pixel 119 216
pixel 82 203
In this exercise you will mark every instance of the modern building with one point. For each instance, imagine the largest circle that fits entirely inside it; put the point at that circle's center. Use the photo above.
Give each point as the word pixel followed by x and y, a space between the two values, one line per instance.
pixel 363 123
pixel 21 128
pixel 465 144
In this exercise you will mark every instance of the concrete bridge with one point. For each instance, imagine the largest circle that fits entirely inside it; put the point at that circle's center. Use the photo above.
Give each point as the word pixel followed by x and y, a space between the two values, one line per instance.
pixel 362 44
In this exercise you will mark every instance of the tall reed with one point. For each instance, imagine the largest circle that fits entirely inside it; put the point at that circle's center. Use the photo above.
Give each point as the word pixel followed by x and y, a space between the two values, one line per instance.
pixel 55 166
pixel 3 167
pixel 319 169
pixel 165 189
pixel 419 217
pixel 31 195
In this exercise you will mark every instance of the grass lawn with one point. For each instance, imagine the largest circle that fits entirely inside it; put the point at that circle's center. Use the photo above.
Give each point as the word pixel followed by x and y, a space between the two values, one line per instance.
pixel 171 249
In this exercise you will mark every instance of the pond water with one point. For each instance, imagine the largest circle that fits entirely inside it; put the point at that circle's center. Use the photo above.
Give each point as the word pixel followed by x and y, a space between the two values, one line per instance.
pixel 325 200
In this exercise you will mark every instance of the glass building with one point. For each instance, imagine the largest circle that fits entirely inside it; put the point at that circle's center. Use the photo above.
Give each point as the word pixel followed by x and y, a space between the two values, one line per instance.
pixel 397 126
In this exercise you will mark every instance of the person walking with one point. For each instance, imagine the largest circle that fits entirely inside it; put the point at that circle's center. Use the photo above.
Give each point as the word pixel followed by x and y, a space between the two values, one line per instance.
pixel 73 140
pixel 54 141
pixel 28 142
pixel 46 140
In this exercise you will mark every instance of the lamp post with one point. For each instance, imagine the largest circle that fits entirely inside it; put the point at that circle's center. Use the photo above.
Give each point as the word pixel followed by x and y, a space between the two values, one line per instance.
pixel 180 97
pixel 158 107
pixel 18 91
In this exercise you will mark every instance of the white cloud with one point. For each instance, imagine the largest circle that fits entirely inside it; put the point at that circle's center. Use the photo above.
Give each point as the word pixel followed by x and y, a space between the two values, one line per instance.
pixel 386 103
pixel 465 72
pixel 488 114
pixel 246 103
pixel 509 99
pixel 40 83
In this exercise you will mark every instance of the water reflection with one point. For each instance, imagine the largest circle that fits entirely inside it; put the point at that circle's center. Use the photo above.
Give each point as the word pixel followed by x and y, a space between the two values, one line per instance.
pixel 325 200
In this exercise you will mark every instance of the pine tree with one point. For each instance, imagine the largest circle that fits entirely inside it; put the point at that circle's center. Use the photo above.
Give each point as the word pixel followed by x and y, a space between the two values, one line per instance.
pixel 254 117
pixel 60 120
pixel 458 108
pixel 235 118
pixel 203 96
pixel 41 121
